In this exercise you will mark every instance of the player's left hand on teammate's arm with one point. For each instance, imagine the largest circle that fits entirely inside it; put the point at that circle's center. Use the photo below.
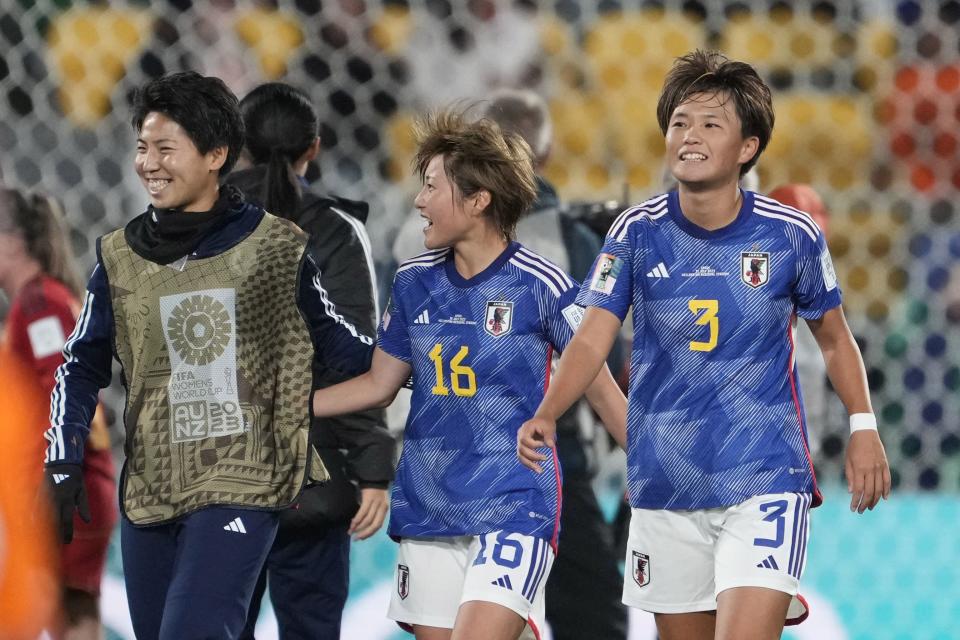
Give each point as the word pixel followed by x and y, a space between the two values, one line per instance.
pixel 535 434
pixel 371 514
pixel 868 473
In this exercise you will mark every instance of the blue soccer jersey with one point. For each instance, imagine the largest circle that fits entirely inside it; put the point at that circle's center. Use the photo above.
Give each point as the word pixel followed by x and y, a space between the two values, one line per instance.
pixel 715 413
pixel 481 350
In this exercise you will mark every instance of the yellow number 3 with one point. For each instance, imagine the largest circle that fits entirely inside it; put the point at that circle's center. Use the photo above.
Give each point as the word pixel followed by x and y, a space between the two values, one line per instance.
pixel 710 309
pixel 457 370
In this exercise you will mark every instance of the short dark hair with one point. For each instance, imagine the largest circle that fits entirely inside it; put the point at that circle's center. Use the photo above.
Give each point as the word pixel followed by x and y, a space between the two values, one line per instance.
pixel 281 124
pixel 478 156
pixel 712 72
pixel 203 105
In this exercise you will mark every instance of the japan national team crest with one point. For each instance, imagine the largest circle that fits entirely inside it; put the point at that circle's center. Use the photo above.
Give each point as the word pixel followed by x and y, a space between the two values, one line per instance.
pixel 754 268
pixel 403 581
pixel 641 569
pixel 499 319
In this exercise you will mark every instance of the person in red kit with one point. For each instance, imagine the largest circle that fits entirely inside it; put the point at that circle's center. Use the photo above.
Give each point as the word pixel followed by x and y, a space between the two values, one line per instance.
pixel 37 276
pixel 805 198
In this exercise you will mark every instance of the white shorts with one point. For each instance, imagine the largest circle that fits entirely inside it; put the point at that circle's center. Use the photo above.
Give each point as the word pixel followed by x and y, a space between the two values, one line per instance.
pixel 434 576
pixel 679 561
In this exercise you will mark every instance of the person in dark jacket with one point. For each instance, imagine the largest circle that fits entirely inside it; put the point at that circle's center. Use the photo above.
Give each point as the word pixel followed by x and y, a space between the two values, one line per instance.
pixel 308 566
pixel 215 310
pixel 587 553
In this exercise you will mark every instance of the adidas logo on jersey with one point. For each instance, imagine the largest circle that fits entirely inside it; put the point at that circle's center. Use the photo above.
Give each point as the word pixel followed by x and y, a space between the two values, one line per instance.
pixel 423 318
pixel 502 581
pixel 659 271
pixel 235 525
pixel 768 563
pixel 59 477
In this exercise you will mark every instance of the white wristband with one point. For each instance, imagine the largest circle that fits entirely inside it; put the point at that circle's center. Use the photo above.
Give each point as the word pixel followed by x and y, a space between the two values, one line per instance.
pixel 862 422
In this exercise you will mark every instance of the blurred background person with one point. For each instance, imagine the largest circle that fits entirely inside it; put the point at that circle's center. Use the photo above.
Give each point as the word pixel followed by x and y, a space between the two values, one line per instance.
pixel 29 590
pixel 817 400
pixel 308 566
pixel 587 554
pixel 37 274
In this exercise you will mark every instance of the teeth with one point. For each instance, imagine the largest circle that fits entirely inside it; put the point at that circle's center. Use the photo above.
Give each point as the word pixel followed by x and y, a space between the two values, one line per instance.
pixel 156 186
pixel 693 156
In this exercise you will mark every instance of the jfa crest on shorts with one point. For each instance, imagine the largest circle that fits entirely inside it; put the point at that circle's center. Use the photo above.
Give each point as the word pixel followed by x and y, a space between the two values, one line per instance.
pixel 641 569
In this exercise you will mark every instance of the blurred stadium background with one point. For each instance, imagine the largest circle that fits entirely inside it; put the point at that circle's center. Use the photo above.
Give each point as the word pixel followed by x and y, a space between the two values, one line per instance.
pixel 868 111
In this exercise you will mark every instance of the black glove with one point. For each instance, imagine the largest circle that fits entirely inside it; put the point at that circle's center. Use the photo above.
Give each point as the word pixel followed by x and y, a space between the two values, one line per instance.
pixel 68 493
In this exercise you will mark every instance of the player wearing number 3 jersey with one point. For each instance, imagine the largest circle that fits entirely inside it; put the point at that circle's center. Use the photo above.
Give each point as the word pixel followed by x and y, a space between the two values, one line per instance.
pixel 477 321
pixel 719 472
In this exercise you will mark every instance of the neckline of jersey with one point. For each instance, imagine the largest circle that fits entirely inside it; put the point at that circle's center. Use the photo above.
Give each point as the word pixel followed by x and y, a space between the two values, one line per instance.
pixel 676 214
pixel 458 280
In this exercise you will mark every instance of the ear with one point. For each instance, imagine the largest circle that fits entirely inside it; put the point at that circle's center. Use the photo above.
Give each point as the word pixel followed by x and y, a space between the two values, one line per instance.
pixel 312 151
pixel 480 200
pixel 216 158
pixel 748 149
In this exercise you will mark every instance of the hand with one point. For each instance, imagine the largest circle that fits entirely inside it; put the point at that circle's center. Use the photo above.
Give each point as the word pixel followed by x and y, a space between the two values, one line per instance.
pixel 370 515
pixel 66 488
pixel 868 474
pixel 534 434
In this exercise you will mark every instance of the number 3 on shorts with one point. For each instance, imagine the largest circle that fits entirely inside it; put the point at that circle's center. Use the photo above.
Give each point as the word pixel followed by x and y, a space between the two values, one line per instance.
pixel 776 510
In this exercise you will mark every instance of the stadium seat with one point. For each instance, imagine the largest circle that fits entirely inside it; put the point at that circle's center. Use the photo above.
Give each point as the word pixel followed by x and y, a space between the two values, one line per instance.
pixel 781 40
pixel 819 139
pixel 273 35
pixel 391 30
pixel 89 49
pixel 634 50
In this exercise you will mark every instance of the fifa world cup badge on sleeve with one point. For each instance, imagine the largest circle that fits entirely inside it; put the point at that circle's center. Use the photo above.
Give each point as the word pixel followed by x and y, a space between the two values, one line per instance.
pixel 641 569
pixel 829 275
pixel 499 319
pixel 605 273
pixel 754 268
pixel 573 314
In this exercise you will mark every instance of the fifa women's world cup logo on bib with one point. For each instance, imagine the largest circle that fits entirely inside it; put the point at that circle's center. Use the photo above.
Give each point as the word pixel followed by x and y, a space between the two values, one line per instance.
pixel 200 333
pixel 499 319
pixel 754 268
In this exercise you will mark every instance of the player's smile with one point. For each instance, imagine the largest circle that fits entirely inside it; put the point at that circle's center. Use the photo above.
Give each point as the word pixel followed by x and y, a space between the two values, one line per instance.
pixel 441 207
pixel 704 140
pixel 174 173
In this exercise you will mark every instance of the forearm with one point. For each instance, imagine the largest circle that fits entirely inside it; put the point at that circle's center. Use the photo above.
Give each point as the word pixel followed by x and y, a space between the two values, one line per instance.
pixel 85 370
pixel 375 388
pixel 610 404
pixel 843 361
pixel 581 362
pixel 356 394
pixel 848 376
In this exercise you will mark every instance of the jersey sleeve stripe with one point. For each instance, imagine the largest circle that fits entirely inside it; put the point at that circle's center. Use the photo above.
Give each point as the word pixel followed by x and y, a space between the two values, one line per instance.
pixel 549 266
pixel 652 206
pixel 769 214
pixel 427 259
pixel 331 312
pixel 777 205
pixel 773 205
pixel 636 216
pixel 546 279
pixel 361 232
pixel 54 435
pixel 793 215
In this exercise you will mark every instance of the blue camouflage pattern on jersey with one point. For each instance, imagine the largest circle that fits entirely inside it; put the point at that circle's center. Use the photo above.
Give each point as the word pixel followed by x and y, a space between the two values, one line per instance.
pixel 715 410
pixel 459 473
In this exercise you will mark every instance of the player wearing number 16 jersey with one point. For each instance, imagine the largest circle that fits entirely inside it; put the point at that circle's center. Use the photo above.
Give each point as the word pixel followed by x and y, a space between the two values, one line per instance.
pixel 476 321
pixel 719 473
